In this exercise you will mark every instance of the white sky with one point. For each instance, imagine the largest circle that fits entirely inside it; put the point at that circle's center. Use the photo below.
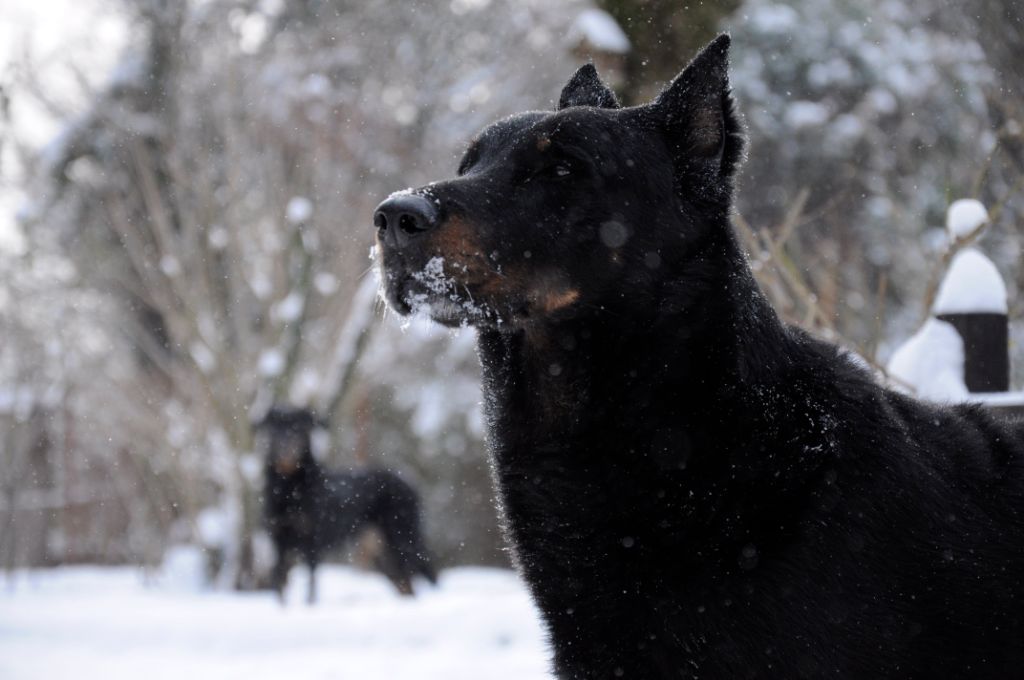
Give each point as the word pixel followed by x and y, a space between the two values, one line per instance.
pixel 64 42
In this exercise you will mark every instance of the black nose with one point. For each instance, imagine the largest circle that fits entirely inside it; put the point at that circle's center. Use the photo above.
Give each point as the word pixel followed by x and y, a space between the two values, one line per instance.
pixel 403 217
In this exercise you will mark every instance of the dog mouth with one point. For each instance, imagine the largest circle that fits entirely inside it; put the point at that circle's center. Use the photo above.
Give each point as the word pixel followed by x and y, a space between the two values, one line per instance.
pixel 286 466
pixel 459 291
pixel 437 291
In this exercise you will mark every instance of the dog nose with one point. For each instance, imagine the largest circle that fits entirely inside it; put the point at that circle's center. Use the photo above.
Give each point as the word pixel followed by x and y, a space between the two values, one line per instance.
pixel 403 217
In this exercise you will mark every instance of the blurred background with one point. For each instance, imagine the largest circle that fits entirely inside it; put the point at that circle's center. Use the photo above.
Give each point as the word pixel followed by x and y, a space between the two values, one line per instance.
pixel 185 197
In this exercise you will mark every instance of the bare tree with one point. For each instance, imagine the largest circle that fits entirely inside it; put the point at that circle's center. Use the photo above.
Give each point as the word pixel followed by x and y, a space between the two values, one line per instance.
pixel 220 189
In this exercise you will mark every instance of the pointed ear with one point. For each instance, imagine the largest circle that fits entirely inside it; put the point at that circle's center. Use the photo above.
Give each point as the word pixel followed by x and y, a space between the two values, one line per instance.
pixel 586 89
pixel 696 111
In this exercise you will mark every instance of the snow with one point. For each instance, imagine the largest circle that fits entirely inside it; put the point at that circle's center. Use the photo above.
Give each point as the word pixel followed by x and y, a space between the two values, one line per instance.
pixel 446 292
pixel 432 276
pixel 831 72
pixel 215 525
pixel 408 191
pixel 218 238
pixel 881 100
pixel 290 308
pixel 253 29
pixel 184 568
pixel 614 234
pixel 847 128
pixel 299 210
pixel 18 400
pixel 325 283
pixel 999 398
pixel 82 621
pixel 964 218
pixel 774 18
pixel 406 113
pixel 806 114
pixel 271 362
pixel 317 85
pixel 204 358
pixel 972 284
pixel 931 363
pixel 170 266
pixel 460 7
pixel 598 28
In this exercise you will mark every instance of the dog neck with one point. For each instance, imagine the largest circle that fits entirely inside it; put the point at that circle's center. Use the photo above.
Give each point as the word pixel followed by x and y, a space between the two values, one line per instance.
pixel 699 339
pixel 701 360
pixel 664 454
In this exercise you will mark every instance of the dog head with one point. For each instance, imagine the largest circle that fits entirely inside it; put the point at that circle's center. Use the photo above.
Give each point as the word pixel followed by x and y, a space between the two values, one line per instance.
pixel 289 446
pixel 551 214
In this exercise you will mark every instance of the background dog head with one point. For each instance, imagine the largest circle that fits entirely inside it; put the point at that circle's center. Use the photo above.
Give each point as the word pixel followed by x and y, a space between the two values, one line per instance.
pixel 289 432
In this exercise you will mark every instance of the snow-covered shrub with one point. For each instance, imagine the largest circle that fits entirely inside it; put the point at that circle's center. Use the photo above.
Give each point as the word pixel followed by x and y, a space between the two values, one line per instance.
pixel 880 110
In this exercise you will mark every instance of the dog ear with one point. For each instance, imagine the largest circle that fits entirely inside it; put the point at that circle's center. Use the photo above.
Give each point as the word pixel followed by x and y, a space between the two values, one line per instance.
pixel 586 89
pixel 696 112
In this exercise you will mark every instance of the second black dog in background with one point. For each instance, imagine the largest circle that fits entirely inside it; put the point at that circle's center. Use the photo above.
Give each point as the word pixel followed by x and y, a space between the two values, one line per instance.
pixel 310 510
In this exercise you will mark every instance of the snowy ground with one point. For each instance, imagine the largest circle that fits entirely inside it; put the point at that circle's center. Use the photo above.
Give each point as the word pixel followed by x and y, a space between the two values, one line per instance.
pixel 86 622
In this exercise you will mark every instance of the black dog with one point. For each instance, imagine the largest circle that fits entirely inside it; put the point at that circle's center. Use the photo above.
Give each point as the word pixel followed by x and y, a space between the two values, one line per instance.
pixel 310 511
pixel 692 488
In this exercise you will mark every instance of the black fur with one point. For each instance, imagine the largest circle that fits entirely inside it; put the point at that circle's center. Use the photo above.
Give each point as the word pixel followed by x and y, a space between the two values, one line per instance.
pixel 310 511
pixel 692 488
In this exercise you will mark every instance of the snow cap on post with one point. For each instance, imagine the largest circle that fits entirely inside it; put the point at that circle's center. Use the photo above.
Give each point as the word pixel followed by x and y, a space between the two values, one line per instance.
pixel 586 89
pixel 965 218
pixel 972 285
pixel 299 210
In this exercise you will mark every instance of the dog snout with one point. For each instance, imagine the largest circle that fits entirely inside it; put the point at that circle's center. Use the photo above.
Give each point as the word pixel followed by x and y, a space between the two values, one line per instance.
pixel 403 217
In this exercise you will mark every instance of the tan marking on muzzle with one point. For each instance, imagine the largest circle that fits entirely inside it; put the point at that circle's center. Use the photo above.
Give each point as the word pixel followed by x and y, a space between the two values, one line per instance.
pixel 511 284
pixel 456 237
pixel 543 142
pixel 286 466
pixel 465 260
pixel 556 300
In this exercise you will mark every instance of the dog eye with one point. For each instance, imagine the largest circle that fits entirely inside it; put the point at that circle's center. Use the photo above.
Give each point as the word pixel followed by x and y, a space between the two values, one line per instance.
pixel 557 171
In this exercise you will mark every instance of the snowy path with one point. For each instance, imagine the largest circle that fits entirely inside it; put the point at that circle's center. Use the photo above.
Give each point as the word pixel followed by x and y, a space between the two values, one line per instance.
pixel 102 622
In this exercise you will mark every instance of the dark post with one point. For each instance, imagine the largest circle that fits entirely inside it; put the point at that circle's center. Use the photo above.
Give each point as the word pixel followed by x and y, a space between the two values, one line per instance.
pixel 986 349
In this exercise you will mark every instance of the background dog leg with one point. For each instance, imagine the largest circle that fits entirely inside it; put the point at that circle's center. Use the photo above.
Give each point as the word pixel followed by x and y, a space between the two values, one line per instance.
pixel 311 592
pixel 279 576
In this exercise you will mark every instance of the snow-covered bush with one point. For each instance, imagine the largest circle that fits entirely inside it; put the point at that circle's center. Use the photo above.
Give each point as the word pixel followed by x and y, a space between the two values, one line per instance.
pixel 880 110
